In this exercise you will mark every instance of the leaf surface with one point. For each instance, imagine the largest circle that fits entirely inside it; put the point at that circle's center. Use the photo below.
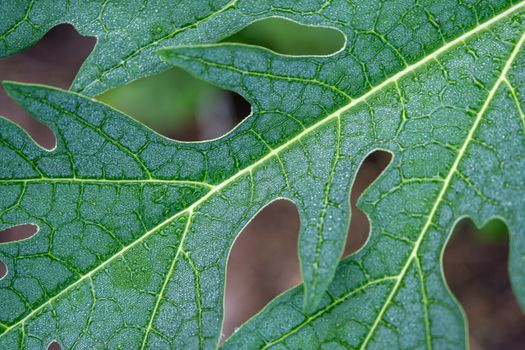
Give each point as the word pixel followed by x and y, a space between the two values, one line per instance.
pixel 130 32
pixel 135 229
pixel 458 149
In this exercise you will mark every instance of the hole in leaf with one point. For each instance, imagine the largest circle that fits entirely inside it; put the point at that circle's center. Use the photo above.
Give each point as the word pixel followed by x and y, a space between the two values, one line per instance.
pixel 179 106
pixel 263 263
pixel 182 107
pixel 18 233
pixel 53 60
pixel 54 345
pixel 476 270
pixel 3 269
pixel 373 165
pixel 291 38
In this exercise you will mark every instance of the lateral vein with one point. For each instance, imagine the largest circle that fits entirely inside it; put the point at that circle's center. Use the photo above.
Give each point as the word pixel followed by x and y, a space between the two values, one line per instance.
pixel 247 170
pixel 501 79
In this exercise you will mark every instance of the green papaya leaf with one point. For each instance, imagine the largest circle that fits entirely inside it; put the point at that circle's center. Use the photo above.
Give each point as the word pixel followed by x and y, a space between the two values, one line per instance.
pixel 129 32
pixel 455 125
pixel 135 229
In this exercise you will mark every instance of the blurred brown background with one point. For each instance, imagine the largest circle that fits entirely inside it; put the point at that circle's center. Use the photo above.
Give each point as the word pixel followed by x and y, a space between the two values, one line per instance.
pixel 264 260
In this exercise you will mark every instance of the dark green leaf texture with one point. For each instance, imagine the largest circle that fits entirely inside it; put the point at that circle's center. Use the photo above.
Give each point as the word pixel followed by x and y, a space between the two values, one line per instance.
pixel 454 122
pixel 129 32
pixel 135 229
